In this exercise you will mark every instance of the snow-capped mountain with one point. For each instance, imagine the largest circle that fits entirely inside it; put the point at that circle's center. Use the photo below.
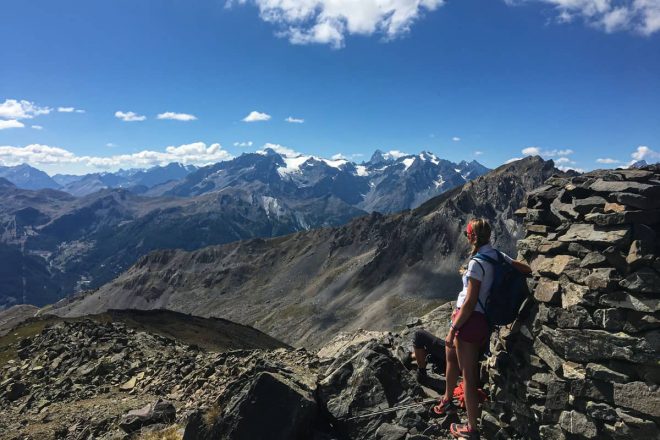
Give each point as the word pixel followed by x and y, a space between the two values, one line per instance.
pixel 386 183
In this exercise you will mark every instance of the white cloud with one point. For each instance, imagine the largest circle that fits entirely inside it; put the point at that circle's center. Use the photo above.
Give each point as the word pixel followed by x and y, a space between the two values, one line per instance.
pixel 280 149
pixel 294 120
pixel 564 160
pixel 245 144
pixel 607 160
pixel 34 154
pixel 14 109
pixel 37 127
pixel 478 153
pixel 394 154
pixel 456 139
pixel 536 151
pixel 57 159
pixel 638 16
pixel 566 168
pixel 513 159
pixel 110 145
pixel 177 116
pixel 645 153
pixel 129 116
pixel 12 123
pixel 70 110
pixel 255 116
pixel 339 156
pixel 330 21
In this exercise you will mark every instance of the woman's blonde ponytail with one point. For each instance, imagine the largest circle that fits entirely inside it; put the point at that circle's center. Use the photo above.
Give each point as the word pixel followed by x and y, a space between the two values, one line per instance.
pixel 481 229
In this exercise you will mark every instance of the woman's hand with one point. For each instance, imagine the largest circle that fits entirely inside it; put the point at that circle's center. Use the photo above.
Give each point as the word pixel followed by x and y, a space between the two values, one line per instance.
pixel 521 267
pixel 449 340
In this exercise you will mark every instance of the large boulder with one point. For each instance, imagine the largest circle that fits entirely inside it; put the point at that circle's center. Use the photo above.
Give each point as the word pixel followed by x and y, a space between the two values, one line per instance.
pixel 269 406
pixel 364 380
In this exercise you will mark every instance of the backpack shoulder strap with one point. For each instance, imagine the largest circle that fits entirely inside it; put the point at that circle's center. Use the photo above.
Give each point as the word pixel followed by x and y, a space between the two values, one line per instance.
pixel 486 258
pixel 476 260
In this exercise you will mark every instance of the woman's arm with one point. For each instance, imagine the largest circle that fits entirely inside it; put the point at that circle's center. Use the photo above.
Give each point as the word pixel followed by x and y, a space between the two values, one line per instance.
pixel 466 309
pixel 521 267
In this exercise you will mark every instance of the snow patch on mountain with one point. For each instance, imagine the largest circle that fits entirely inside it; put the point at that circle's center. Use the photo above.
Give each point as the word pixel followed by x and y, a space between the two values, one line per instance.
pixel 293 164
pixel 272 206
pixel 361 170
pixel 334 163
pixel 407 162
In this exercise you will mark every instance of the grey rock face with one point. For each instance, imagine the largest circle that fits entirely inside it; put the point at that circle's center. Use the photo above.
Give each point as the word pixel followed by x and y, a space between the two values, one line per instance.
pixel 367 380
pixel 269 406
pixel 586 368
pixel 590 233
pixel 639 396
pixel 574 422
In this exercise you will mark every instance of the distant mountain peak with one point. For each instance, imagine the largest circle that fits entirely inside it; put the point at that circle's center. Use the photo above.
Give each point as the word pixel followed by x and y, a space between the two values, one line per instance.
pixel 639 164
pixel 269 152
pixel 27 177
pixel 377 158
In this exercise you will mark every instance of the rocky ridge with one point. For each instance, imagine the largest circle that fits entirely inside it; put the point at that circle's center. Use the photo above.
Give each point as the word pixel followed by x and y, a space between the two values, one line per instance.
pixel 582 362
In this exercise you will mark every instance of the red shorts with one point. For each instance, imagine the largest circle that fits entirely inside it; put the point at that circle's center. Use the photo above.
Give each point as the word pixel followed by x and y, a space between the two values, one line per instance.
pixel 475 330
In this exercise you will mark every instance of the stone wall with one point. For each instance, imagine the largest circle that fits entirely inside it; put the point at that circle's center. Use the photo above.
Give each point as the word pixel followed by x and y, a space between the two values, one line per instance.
pixel 583 360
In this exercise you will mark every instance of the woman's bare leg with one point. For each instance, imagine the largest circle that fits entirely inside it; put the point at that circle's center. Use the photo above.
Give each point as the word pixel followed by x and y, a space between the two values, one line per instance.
pixel 451 372
pixel 468 356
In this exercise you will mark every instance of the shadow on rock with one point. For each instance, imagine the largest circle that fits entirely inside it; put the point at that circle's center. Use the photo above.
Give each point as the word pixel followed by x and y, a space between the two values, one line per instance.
pixel 269 406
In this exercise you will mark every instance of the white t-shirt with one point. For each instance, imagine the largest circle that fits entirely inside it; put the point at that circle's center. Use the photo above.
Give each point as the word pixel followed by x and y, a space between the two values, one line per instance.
pixel 484 275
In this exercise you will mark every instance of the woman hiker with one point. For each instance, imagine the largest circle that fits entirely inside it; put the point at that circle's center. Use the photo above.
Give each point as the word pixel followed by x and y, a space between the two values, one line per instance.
pixel 469 330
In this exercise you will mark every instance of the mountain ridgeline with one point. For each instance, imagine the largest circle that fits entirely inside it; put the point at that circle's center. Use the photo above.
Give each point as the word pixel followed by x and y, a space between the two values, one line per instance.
pixel 301 288
pixel 54 243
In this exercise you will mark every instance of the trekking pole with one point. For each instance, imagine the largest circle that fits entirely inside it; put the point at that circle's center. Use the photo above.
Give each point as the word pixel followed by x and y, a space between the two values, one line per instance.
pixel 389 410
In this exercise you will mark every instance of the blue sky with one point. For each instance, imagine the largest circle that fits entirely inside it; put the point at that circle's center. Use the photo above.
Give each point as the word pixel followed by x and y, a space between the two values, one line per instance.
pixel 471 79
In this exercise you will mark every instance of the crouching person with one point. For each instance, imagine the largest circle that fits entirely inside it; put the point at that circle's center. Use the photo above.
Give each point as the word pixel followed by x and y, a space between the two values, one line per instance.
pixel 428 349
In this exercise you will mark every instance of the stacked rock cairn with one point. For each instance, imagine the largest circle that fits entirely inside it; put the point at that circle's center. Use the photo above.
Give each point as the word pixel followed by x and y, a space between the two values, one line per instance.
pixel 583 359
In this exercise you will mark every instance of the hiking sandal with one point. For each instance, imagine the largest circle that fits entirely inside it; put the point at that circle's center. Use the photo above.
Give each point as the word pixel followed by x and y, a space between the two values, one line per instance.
pixel 443 408
pixel 464 431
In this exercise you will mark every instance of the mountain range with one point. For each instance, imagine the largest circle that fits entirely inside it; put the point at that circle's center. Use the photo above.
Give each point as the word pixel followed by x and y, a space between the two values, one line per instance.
pixel 370 273
pixel 138 180
pixel 385 183
pixel 55 243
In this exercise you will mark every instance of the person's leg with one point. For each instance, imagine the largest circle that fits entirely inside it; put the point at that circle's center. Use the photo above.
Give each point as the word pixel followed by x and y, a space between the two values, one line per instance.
pixel 422 340
pixel 420 357
pixel 452 371
pixel 468 356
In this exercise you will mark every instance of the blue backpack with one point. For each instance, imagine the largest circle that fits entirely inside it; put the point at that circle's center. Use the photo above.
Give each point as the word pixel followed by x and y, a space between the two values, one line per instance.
pixel 507 294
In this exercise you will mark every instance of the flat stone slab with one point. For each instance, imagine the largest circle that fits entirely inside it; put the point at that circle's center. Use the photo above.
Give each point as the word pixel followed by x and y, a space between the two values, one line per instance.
pixel 595 234
pixel 605 186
